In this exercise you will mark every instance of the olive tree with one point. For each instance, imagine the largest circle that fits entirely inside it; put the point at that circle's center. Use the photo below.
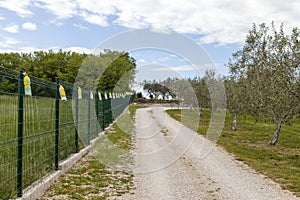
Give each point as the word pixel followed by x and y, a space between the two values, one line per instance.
pixel 265 74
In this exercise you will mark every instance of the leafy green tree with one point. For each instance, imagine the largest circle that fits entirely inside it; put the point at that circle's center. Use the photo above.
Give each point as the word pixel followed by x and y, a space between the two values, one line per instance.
pixel 264 76
pixel 152 88
pixel 110 70
pixel 201 91
pixel 157 89
pixel 45 64
pixel 119 75
pixel 179 89
pixel 11 60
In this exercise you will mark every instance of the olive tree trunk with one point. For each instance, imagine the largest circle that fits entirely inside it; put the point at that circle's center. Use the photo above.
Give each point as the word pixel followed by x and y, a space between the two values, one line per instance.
pixel 276 134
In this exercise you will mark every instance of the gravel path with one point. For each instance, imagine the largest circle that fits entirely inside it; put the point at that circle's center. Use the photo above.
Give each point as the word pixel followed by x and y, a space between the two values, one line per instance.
pixel 173 162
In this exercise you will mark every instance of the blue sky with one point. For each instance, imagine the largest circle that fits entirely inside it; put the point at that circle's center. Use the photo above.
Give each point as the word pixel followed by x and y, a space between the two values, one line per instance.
pixel 218 26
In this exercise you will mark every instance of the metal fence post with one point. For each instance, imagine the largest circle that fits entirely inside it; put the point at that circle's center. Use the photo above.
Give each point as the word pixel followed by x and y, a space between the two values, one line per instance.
pixel 76 120
pixel 103 112
pixel 89 117
pixel 131 98
pixel 20 132
pixel 97 110
pixel 56 122
pixel 110 110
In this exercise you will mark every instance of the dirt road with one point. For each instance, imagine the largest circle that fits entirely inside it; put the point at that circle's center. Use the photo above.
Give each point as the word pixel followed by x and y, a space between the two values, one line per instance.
pixel 171 162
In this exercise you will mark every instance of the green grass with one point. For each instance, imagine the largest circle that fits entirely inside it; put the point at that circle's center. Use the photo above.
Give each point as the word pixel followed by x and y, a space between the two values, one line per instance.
pixel 250 145
pixel 97 176
pixel 38 140
pixel 90 179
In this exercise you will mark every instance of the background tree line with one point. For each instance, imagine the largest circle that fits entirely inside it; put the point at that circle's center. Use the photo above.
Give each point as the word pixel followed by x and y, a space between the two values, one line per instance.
pixel 108 68
pixel 195 91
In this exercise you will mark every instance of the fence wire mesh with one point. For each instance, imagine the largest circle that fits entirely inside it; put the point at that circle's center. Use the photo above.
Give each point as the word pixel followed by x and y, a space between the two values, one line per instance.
pixel 79 122
pixel 8 132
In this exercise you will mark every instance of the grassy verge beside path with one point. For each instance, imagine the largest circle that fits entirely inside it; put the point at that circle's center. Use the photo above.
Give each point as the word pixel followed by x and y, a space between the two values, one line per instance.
pixel 250 145
pixel 92 177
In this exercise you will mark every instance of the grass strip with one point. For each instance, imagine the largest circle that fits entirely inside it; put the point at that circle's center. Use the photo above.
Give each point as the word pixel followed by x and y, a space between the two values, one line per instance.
pixel 94 177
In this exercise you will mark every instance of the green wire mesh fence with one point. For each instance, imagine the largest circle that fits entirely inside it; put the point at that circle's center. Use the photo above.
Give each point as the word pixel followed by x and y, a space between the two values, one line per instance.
pixel 8 132
pixel 39 131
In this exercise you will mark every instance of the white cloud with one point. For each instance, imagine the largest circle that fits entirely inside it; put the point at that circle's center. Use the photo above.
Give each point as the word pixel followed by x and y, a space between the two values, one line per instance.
pixel 95 11
pixel 56 22
pixel 29 49
pixel 78 50
pixel 20 7
pixel 1 17
pixel 80 26
pixel 96 19
pixel 141 60
pixel 161 30
pixel 8 42
pixel 172 68
pixel 12 28
pixel 98 7
pixel 29 26
pixel 207 66
pixel 184 68
pixel 9 45
pixel 62 9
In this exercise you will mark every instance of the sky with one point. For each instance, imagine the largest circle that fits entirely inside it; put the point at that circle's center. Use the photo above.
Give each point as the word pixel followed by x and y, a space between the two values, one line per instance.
pixel 218 27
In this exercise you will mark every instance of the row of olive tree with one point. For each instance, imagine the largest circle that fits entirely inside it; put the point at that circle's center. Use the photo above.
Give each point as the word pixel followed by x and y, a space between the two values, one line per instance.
pixel 205 92
pixel 264 78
